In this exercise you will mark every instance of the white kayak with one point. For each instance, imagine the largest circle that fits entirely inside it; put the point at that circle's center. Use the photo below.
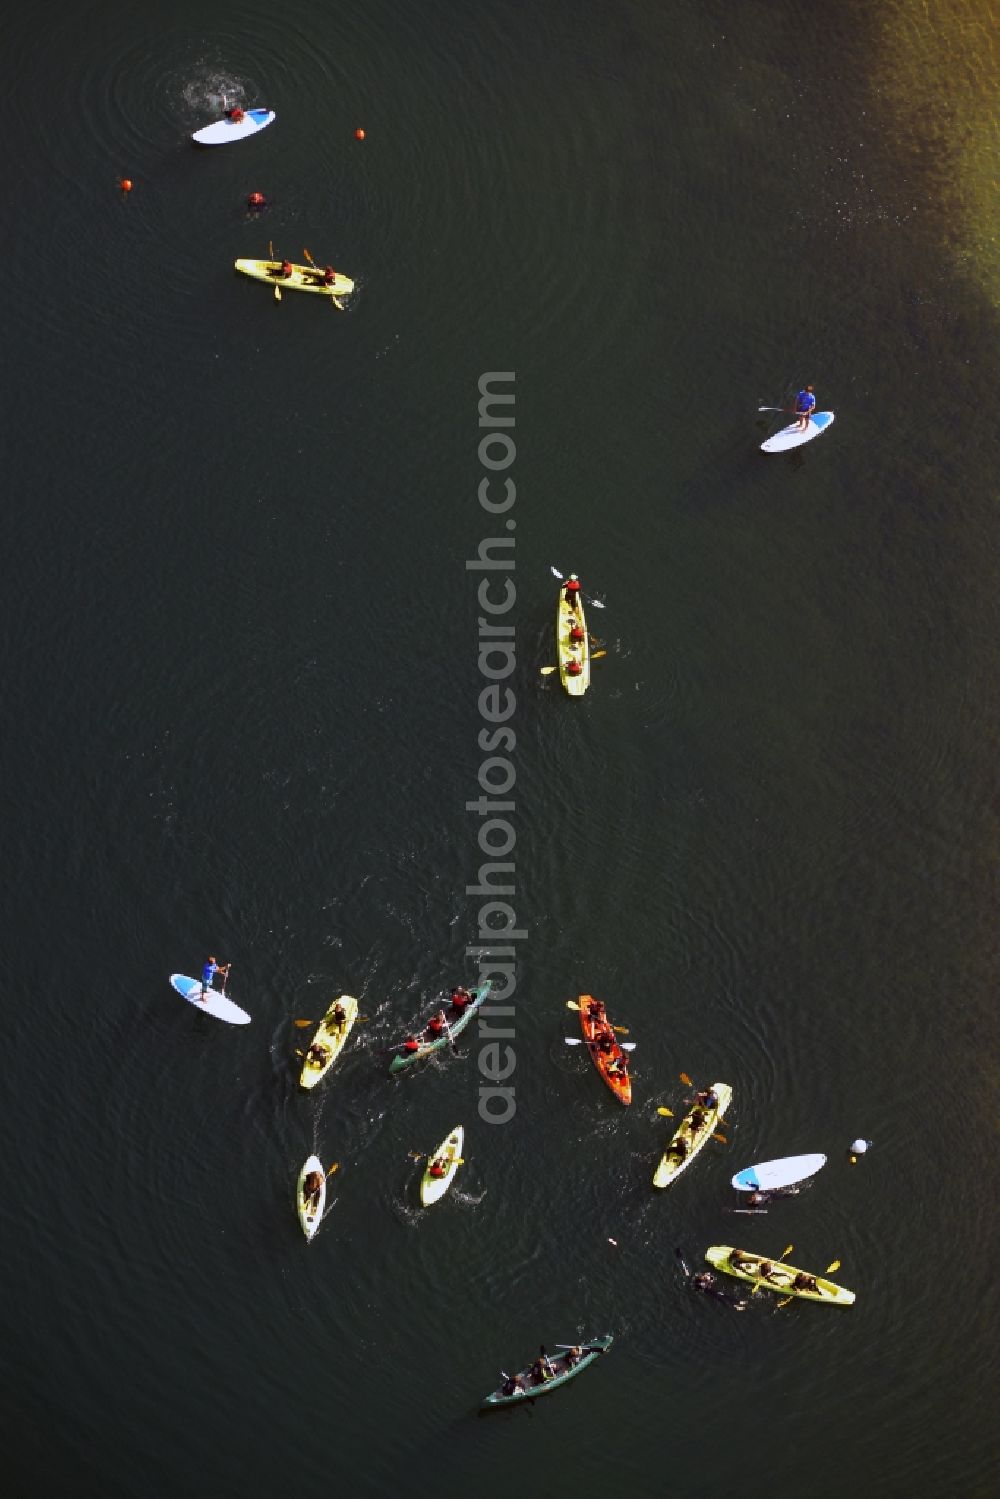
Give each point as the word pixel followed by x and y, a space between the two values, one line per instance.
pixel 794 436
pixel 310 1210
pixel 226 130
pixel 449 1154
pixel 213 1003
pixel 784 1173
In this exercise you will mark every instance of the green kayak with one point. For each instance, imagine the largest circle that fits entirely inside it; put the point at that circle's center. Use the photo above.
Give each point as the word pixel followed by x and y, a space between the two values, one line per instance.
pixel 528 1384
pixel 429 1043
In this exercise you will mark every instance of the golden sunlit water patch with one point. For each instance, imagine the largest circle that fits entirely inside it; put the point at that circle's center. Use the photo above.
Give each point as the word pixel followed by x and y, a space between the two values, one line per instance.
pixel 938 67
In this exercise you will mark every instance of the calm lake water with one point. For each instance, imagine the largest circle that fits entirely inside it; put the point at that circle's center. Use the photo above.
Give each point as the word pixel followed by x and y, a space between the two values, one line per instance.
pixel 241 692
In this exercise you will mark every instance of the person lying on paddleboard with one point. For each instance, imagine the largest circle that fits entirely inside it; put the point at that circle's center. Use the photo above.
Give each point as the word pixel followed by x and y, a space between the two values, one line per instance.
pixel 805 405
pixel 758 1199
pixel 208 973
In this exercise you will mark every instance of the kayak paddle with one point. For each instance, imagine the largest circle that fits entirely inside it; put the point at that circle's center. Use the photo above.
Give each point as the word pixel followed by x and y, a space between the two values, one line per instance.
pixel 579 1041
pixel 557 574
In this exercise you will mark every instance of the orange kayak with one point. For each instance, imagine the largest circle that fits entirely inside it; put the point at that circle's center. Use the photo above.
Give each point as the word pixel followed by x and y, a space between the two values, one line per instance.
pixel 595 1025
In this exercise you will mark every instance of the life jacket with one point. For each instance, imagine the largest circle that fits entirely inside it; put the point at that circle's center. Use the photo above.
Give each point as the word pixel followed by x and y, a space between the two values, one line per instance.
pixel 410 1044
pixel 435 1026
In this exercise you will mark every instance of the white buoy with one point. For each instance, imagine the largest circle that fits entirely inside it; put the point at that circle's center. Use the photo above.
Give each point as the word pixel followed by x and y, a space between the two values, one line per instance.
pixel 860 1146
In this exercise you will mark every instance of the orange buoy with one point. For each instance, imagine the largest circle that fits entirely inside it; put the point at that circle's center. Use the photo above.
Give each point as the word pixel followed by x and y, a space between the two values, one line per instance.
pixel 359 134
pixel 125 184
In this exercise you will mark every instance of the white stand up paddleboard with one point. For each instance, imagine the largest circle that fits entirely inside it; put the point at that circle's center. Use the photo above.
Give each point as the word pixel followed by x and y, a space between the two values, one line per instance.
pixel 226 130
pixel 794 436
pixel 213 1003
pixel 784 1173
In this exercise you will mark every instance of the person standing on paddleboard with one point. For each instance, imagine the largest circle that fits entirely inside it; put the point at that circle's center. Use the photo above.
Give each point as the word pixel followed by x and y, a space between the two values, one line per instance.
pixel 208 973
pixel 805 405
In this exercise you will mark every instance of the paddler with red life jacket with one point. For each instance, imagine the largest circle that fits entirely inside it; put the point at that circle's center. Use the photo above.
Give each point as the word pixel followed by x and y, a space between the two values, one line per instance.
pixel 572 592
pixel 437 1025
pixel 411 1044
pixel 235 114
pixel 284 270
pixel 577 634
pixel 460 998
pixel 437 1169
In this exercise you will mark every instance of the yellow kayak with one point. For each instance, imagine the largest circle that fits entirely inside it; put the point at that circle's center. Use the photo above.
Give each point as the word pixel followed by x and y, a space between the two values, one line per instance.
pixel 569 651
pixel 686 1141
pixel 781 1278
pixel 449 1153
pixel 330 1038
pixel 303 277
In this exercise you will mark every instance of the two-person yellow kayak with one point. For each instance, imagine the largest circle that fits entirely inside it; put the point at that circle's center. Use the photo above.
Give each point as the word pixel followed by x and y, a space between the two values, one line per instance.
pixel 302 278
pixel 329 1041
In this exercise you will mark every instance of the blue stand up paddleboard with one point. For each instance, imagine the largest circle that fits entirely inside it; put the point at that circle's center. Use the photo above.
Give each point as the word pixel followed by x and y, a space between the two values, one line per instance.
pixel 212 1002
pixel 794 436
pixel 784 1173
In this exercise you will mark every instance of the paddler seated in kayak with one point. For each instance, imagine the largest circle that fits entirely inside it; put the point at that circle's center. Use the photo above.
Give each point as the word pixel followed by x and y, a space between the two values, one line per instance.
pixel 707 1099
pixel 740 1261
pixel 317 1054
pixel 804 1282
pixel 698 1117
pixel 436 1025
pixel 411 1044
pixel 438 1168
pixel 283 272
pixel 208 973
pixel 326 277
pixel 774 1273
pixel 540 1370
pixel 573 1356
pixel 512 1385
pixel 607 1041
pixel 572 593
pixel 574 668
pixel 311 1187
pixel 460 999
pixel 678 1148
pixel 618 1068
pixel 339 1016
pixel 577 634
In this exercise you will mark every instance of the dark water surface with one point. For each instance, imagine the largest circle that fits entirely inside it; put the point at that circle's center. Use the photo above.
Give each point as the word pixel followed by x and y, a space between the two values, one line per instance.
pixel 241 716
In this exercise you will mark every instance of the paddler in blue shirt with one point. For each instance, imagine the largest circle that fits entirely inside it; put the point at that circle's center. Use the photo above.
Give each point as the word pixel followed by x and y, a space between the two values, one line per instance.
pixel 208 973
pixel 805 405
